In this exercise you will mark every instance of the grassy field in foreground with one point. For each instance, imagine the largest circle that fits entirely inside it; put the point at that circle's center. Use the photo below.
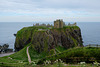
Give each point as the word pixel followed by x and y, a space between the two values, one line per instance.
pixel 68 65
pixel 20 55
pixel 19 59
pixel 85 54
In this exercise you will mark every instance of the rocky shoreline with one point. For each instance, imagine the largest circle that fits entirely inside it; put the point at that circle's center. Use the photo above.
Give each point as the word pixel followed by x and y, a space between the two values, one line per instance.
pixel 4 49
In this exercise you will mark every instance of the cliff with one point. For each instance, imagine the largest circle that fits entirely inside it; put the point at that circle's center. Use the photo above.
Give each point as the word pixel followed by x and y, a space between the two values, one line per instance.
pixel 47 39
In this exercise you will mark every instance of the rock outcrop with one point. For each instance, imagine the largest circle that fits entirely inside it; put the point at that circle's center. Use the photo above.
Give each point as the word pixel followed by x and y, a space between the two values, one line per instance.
pixel 68 37
pixel 4 49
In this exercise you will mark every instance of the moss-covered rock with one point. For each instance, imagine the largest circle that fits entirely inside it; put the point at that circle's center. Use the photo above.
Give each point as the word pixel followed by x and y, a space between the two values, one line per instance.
pixel 23 37
pixel 67 36
pixel 40 41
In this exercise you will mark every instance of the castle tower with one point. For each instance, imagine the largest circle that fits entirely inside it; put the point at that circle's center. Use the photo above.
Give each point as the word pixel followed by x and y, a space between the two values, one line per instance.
pixel 58 23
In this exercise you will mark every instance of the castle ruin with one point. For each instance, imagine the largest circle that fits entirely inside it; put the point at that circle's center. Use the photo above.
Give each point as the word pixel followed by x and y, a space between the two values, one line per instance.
pixel 74 24
pixel 58 23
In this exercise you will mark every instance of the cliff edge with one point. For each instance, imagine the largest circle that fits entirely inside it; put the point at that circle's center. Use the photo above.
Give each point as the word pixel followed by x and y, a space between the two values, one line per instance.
pixel 45 39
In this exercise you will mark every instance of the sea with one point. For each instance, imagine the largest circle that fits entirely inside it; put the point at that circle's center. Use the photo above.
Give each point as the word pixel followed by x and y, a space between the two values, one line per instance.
pixel 90 31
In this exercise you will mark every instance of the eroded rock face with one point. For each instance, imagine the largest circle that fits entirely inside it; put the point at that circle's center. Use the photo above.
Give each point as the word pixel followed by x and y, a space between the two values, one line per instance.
pixel 67 38
pixel 23 38
pixel 47 40
pixel 41 41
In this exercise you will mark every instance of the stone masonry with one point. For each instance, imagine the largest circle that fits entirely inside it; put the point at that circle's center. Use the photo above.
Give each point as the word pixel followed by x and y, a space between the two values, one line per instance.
pixel 58 23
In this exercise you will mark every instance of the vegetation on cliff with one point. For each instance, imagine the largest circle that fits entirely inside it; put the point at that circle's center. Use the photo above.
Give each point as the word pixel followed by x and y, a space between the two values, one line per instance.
pixel 47 39
pixel 24 35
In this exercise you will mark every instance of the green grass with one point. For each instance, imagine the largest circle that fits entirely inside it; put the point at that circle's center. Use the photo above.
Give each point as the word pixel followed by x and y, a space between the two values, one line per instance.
pixel 13 65
pixel 60 49
pixel 82 53
pixel 19 59
pixel 20 55
pixel 28 30
pixel 75 41
pixel 67 27
pixel 7 60
pixel 35 56
pixel 68 65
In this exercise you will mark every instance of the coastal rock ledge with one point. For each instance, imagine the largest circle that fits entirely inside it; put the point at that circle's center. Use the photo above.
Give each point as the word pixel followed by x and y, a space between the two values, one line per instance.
pixel 47 39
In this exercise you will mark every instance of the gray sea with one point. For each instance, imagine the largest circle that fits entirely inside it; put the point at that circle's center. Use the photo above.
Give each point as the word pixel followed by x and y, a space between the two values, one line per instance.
pixel 90 31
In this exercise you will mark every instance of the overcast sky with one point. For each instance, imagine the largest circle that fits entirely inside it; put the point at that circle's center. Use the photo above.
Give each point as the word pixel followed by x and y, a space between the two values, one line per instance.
pixel 49 10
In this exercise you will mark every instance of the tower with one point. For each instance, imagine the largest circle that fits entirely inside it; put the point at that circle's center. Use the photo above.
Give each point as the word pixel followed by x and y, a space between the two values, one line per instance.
pixel 58 23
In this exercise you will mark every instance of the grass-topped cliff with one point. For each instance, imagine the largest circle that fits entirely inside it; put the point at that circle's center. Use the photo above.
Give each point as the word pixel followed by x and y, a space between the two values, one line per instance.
pixel 24 36
pixel 47 39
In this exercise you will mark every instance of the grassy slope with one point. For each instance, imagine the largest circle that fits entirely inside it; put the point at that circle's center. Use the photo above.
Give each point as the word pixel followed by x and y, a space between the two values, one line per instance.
pixel 18 59
pixel 20 55
pixel 60 49
pixel 76 52
pixel 35 56
pixel 29 29
pixel 68 65
pixel 63 53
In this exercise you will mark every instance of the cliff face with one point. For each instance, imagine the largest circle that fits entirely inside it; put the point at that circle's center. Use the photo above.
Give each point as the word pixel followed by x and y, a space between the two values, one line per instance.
pixel 68 37
pixel 46 40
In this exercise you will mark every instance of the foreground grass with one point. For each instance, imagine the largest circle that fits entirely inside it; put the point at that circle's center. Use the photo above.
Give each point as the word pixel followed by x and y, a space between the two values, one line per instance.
pixel 35 56
pixel 69 65
pixel 76 54
pixel 20 55
pixel 13 65
pixel 60 49
pixel 18 59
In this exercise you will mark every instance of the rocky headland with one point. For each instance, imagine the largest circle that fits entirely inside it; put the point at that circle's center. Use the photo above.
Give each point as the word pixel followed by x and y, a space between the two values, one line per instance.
pixel 44 38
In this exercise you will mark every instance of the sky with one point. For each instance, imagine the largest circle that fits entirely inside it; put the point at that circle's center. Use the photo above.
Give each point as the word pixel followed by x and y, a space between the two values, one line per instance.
pixel 49 10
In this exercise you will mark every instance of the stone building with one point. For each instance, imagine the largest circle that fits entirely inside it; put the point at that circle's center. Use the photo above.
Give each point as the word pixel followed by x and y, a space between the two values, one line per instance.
pixel 58 24
pixel 37 24
pixel 43 25
pixel 74 24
